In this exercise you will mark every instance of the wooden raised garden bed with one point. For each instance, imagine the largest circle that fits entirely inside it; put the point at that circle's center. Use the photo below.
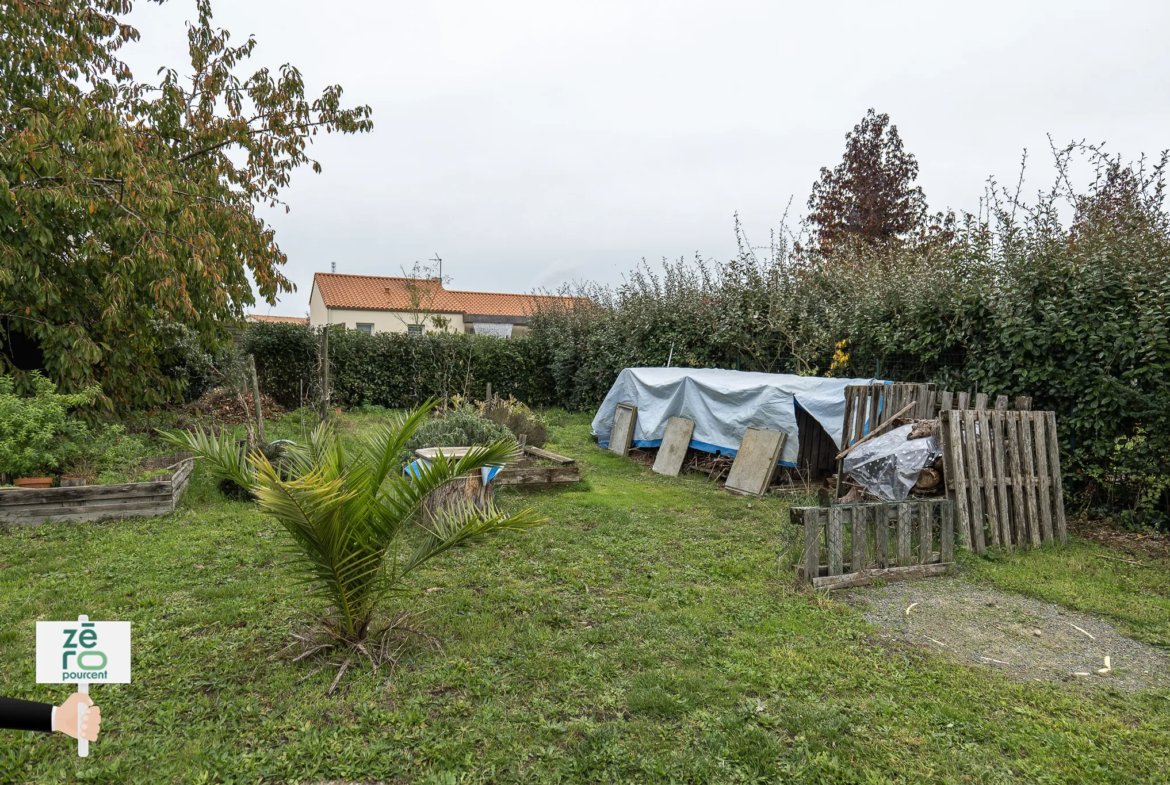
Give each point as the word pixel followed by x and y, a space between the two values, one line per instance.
pixel 158 496
pixel 536 467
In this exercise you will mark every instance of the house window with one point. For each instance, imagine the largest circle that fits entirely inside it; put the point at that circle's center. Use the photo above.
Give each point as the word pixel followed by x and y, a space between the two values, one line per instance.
pixel 414 329
pixel 366 328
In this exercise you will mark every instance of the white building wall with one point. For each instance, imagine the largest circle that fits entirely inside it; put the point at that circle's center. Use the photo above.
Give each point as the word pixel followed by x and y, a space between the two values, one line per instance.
pixel 383 321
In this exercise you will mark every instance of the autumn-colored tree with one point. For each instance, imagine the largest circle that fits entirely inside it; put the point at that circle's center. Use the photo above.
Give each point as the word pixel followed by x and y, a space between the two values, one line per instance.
pixel 871 194
pixel 126 205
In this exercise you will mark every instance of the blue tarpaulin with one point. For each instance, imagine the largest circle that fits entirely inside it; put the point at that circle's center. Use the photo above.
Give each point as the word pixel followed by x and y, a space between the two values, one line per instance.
pixel 723 404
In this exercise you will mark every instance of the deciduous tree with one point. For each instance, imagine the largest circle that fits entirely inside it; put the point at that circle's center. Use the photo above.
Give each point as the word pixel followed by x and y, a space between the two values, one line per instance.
pixel 123 203
pixel 871 194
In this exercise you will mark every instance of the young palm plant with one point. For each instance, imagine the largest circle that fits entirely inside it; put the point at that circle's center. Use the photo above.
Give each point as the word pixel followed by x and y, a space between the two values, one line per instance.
pixel 349 513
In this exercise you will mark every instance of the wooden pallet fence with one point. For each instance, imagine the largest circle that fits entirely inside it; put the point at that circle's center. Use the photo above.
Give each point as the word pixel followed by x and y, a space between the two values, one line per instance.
pixel 946 400
pixel 884 540
pixel 30 507
pixel 1003 473
pixel 868 406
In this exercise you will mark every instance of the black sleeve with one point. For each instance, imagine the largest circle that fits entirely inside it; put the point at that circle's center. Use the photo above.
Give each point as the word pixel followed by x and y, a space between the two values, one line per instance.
pixel 26 715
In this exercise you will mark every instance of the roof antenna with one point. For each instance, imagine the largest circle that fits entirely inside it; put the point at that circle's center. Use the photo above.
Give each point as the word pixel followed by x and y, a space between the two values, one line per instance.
pixel 334 266
pixel 439 260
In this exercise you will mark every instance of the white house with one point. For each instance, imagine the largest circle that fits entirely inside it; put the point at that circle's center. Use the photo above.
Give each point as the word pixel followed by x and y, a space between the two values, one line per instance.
pixel 379 304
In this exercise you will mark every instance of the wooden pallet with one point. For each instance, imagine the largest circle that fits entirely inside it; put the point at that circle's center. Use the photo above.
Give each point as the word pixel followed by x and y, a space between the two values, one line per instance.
pixel 862 401
pixel 962 401
pixel 887 540
pixel 30 507
pixel 1003 473
pixel 869 405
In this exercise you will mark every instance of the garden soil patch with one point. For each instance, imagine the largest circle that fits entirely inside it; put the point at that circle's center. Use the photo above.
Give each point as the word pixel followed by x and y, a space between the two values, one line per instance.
pixel 1141 545
pixel 993 629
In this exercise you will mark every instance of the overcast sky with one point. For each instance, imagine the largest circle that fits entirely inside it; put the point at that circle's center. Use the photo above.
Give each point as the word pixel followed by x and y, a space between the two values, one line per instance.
pixel 533 143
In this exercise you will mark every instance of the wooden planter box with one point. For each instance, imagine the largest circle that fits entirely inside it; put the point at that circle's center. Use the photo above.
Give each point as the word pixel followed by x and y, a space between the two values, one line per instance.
pixel 565 472
pixel 98 502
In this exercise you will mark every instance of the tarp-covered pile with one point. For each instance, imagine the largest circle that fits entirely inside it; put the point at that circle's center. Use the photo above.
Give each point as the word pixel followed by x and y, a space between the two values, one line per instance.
pixel 723 404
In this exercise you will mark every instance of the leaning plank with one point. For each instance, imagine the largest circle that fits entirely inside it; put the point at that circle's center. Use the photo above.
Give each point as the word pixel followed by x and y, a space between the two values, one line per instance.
pixel 925 532
pixel 983 421
pixel 857 536
pixel 980 401
pixel 946 401
pixel 1001 403
pixel 1057 488
pixel 974 479
pixel 546 455
pixel 891 574
pixel 925 396
pixel 957 469
pixel 878 431
pixel 625 418
pixel 946 534
pixel 881 536
pixel 1001 471
pixel 903 534
pixel 755 462
pixel 812 539
pixel 1023 403
pixel 1029 462
pixel 964 401
pixel 836 541
pixel 1019 509
pixel 673 450
pixel 847 421
pixel 1043 477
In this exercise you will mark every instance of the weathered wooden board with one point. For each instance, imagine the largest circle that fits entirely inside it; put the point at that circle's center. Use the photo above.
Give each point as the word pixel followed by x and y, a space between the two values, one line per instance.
pixel 546 455
pixel 538 475
pixel 836 540
pixel 96 502
pixel 986 453
pixel 857 537
pixel 673 450
pixel 625 419
pixel 1057 490
pixel 912 516
pixel 755 462
pixel 888 574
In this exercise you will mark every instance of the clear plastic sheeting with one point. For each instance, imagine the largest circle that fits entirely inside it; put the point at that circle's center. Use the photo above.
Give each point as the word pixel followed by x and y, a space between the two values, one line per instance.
pixel 888 465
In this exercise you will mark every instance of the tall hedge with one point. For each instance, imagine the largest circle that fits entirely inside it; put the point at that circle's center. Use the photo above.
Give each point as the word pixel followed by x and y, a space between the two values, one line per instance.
pixel 395 369
pixel 1073 312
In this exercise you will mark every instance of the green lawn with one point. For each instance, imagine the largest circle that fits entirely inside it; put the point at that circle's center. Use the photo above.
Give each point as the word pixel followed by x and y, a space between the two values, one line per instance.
pixel 647 634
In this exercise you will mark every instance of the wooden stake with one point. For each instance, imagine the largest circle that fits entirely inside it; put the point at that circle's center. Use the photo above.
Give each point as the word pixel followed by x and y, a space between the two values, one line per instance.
pixel 256 399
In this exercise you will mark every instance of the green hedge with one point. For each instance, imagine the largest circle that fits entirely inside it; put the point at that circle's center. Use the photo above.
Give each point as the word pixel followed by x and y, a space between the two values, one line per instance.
pixel 395 370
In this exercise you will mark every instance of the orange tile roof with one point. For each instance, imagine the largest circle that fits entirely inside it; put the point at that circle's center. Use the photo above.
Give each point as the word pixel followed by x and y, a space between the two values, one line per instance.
pixel 256 317
pixel 382 293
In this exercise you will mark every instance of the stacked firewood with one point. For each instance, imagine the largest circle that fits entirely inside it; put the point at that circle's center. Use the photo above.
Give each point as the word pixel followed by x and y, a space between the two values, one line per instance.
pixel 930 479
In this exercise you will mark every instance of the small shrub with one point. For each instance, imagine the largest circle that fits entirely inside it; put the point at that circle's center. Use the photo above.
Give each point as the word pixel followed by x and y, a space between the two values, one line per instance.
pixel 109 453
pixel 38 433
pixel 460 427
pixel 517 418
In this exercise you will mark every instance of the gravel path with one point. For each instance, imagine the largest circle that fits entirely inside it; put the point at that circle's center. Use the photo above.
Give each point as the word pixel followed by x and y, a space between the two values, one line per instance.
pixel 1026 638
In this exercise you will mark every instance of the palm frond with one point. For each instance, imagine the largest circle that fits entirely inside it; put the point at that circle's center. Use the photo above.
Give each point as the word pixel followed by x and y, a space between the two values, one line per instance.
pixel 222 453
pixel 463 522
pixel 337 552
pixel 403 495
